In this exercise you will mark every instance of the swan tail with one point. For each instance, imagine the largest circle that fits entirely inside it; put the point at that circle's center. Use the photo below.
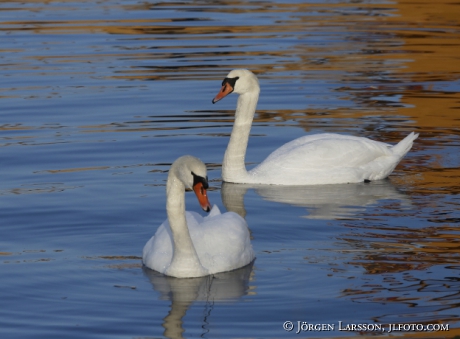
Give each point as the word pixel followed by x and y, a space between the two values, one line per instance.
pixel 404 145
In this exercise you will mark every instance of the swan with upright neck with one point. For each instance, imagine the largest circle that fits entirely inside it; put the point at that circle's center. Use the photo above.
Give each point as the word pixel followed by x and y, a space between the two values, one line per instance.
pixel 310 160
pixel 187 245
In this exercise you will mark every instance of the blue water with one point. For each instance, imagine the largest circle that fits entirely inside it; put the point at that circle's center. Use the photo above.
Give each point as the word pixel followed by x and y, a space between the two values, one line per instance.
pixel 99 98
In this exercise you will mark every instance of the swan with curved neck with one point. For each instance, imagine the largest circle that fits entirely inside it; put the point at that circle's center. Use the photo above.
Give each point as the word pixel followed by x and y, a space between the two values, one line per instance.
pixel 187 245
pixel 313 159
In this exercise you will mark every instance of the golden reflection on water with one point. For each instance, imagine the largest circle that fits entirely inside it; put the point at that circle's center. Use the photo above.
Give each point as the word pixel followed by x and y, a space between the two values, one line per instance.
pixel 409 45
pixel 416 43
pixel 405 47
pixel 408 249
pixel 395 59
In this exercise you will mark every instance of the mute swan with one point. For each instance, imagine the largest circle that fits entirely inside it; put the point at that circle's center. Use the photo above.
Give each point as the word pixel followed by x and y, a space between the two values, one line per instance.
pixel 313 159
pixel 187 245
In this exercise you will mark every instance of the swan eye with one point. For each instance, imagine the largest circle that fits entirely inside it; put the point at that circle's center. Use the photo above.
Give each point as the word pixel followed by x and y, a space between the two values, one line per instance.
pixel 197 179
pixel 230 81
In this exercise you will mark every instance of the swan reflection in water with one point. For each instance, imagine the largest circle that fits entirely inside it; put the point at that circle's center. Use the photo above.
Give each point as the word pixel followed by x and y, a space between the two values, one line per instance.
pixel 328 202
pixel 226 286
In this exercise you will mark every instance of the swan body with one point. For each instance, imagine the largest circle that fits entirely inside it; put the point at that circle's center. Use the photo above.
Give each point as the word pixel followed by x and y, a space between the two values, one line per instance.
pixel 310 160
pixel 188 245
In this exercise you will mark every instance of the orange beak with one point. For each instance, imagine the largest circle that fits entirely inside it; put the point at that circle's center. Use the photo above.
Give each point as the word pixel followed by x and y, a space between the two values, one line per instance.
pixel 202 196
pixel 224 91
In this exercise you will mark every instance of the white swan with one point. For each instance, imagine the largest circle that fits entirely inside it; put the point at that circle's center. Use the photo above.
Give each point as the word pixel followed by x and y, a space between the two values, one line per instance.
pixel 313 159
pixel 187 245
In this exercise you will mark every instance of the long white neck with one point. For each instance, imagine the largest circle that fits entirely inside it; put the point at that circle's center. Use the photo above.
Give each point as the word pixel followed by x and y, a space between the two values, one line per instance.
pixel 185 260
pixel 233 166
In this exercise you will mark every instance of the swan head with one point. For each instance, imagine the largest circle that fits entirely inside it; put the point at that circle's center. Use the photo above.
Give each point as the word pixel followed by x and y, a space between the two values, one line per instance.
pixel 192 173
pixel 240 81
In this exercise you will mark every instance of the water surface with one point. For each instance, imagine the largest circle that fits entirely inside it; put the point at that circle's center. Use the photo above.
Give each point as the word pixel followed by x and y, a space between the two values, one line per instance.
pixel 99 98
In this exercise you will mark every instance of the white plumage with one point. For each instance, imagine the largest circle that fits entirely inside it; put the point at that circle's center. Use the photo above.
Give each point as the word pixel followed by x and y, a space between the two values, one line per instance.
pixel 221 241
pixel 188 245
pixel 314 159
